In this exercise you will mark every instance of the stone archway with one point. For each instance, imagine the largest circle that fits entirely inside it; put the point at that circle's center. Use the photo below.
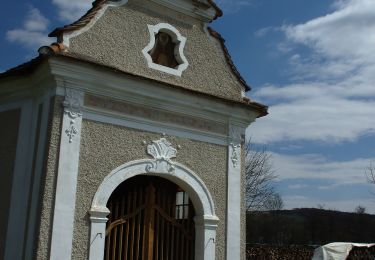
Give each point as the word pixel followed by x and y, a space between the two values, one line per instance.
pixel 205 221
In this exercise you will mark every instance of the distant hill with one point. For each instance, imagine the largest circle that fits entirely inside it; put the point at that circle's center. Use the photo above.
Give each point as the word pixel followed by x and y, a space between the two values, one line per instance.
pixel 309 226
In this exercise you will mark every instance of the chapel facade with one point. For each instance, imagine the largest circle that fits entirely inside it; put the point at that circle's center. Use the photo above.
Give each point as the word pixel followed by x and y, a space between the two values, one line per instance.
pixel 124 139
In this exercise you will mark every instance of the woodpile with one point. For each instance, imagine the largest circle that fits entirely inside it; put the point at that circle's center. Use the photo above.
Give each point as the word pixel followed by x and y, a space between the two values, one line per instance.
pixel 362 253
pixel 270 252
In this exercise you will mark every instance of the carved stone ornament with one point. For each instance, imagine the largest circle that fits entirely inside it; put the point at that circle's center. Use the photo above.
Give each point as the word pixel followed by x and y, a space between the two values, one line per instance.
pixel 236 134
pixel 162 151
pixel 71 131
pixel 73 103
pixel 73 109
pixel 235 155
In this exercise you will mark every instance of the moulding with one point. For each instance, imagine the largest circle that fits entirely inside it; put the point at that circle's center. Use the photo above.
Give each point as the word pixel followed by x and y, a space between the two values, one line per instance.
pixel 34 197
pixel 111 85
pixel 206 222
pixel 177 38
pixel 155 114
pixel 17 220
pixel 156 127
pixel 68 35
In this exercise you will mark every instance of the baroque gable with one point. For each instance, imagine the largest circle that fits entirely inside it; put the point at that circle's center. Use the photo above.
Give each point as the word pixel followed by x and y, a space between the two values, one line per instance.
pixel 121 35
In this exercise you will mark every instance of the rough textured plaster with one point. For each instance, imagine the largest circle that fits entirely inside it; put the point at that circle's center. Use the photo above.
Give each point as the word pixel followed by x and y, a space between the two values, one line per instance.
pixel 48 194
pixel 118 38
pixel 8 147
pixel 104 147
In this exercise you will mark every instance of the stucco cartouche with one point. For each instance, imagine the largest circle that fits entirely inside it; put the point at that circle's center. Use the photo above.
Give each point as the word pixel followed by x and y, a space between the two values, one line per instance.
pixel 118 37
pixel 48 192
pixel 104 147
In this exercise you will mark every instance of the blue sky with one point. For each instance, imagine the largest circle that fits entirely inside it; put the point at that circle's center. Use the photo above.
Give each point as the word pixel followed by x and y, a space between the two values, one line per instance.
pixel 311 61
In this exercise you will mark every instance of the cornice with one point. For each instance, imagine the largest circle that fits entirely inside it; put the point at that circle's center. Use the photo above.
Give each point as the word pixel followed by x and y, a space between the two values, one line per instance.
pixel 136 91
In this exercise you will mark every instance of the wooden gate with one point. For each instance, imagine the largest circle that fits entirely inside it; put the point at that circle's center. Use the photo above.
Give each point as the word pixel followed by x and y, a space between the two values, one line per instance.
pixel 151 219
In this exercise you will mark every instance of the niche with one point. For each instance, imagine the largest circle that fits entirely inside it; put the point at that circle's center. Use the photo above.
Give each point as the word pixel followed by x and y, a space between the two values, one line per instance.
pixel 165 51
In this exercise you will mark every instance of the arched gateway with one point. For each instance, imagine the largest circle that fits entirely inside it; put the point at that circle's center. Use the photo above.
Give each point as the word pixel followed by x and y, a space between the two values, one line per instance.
pixel 151 218
pixel 205 220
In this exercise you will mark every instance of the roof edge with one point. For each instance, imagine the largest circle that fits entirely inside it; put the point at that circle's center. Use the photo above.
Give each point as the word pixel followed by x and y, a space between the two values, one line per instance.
pixel 229 58
pixel 98 5
pixel 58 50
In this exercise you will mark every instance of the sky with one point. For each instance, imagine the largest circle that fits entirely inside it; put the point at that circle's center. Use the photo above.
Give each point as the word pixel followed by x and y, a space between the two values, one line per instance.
pixel 311 61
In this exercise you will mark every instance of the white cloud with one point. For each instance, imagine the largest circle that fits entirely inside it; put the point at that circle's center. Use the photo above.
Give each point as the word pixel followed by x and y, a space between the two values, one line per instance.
pixel 297 186
pixel 332 98
pixel 313 167
pixel 264 31
pixel 33 33
pixel 71 10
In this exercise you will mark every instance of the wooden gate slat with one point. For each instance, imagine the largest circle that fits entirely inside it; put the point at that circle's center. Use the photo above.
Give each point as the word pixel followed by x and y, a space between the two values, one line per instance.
pixel 126 249
pixel 138 237
pixel 121 231
pixel 108 238
pixel 133 224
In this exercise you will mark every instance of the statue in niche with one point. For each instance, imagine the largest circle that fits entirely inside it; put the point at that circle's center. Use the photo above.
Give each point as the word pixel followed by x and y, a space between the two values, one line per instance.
pixel 163 51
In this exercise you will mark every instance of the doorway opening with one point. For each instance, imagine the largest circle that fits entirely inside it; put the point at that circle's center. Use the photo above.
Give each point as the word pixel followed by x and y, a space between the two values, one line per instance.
pixel 150 218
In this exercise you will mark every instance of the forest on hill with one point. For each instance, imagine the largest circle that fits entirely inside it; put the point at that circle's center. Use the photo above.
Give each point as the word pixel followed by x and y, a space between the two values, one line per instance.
pixel 309 226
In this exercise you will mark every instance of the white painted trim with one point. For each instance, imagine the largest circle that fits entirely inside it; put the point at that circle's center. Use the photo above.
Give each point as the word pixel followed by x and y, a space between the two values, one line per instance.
pixel 17 217
pixel 206 222
pixel 65 198
pixel 234 192
pixel 177 38
pixel 34 206
pixel 152 126
pixel 129 89
pixel 68 35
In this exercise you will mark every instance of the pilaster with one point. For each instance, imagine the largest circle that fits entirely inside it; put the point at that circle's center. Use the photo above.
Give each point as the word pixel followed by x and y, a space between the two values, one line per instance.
pixel 235 140
pixel 65 198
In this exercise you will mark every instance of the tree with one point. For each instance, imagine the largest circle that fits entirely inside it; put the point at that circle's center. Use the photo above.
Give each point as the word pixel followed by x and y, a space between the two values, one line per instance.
pixel 370 173
pixel 360 210
pixel 260 192
pixel 273 202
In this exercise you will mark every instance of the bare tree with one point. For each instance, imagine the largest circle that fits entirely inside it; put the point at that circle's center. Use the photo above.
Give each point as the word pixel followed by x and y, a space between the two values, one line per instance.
pixel 273 202
pixel 360 210
pixel 370 173
pixel 259 179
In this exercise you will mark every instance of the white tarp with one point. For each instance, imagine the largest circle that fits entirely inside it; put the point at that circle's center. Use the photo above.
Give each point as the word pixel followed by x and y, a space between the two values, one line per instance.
pixel 336 251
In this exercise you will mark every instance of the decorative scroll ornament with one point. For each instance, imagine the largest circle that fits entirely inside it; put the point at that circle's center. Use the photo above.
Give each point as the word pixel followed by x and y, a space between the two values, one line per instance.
pixel 162 151
pixel 73 108
pixel 235 155
pixel 71 131
pixel 236 134
pixel 73 103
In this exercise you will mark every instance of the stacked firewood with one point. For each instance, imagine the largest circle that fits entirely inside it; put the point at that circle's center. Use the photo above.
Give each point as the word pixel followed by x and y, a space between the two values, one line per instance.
pixel 362 253
pixel 269 252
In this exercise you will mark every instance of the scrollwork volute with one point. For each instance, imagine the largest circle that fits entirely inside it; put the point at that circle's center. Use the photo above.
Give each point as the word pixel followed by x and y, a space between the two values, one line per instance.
pixel 162 151
pixel 236 138
pixel 73 109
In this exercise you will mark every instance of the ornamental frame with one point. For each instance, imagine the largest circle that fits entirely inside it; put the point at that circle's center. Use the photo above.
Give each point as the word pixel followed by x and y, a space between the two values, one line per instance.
pixel 177 38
